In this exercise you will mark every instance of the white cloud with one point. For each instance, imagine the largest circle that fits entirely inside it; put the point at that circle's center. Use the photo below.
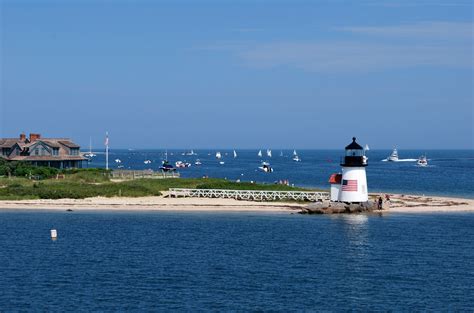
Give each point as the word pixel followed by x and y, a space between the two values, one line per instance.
pixel 433 44
pixel 350 56
pixel 424 30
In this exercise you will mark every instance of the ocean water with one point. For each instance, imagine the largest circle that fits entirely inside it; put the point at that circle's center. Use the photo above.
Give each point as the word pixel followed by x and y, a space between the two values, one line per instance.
pixel 164 261
pixel 450 172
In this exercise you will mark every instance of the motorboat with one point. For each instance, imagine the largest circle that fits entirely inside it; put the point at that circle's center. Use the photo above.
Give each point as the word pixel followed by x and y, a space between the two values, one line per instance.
pixel 265 167
pixel 181 164
pixel 191 153
pixel 393 157
pixel 147 161
pixel 167 167
pixel 118 161
pixel 221 162
pixel 198 162
pixel 422 161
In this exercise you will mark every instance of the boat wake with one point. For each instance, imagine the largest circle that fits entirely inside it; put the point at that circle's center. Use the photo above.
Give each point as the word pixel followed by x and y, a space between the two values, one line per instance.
pixel 400 160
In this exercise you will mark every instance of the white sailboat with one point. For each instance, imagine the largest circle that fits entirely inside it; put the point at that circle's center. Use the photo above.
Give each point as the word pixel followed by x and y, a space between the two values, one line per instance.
pixel 235 154
pixel 90 154
pixel 366 148
pixel 259 153
pixel 218 155
pixel 281 153
pixel 269 153
pixel 296 158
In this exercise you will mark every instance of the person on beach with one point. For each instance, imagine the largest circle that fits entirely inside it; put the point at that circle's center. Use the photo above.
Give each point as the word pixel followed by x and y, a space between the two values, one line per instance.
pixel 380 203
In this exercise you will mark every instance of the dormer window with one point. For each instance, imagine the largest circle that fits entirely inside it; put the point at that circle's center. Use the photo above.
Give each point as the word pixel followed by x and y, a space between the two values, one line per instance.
pixel 74 151
pixel 55 151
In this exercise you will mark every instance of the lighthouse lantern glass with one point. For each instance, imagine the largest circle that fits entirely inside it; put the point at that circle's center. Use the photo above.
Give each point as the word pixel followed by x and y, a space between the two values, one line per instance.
pixel 355 152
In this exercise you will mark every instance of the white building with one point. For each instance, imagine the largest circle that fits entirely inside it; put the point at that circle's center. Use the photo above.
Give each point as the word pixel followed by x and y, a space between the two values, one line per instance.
pixel 351 185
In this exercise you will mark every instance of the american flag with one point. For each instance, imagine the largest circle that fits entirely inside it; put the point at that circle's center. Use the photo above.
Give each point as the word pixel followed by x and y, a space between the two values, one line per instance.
pixel 349 185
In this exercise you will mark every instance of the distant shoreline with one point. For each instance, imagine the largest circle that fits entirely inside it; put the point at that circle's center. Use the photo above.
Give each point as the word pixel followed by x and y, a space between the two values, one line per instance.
pixel 397 204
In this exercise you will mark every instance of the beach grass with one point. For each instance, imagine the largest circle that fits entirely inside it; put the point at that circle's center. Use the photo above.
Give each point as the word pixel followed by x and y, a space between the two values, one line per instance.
pixel 86 183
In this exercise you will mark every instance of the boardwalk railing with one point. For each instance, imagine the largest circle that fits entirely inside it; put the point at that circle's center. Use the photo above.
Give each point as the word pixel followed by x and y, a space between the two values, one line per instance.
pixel 257 195
pixel 131 174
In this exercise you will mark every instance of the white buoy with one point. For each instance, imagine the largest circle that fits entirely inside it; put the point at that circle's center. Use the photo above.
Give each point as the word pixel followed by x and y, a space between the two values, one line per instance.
pixel 54 234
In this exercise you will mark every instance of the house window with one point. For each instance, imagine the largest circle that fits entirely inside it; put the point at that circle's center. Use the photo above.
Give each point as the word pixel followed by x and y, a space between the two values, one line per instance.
pixel 74 151
pixel 55 151
pixel 36 151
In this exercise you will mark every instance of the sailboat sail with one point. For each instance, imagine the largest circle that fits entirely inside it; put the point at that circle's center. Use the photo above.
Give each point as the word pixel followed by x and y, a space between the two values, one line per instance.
pixel 294 153
pixel 260 153
pixel 235 154
pixel 366 148
pixel 90 154
pixel 269 153
pixel 218 155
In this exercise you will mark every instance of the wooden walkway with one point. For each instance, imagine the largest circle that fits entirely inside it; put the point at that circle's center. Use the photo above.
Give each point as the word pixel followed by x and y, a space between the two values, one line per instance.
pixel 256 195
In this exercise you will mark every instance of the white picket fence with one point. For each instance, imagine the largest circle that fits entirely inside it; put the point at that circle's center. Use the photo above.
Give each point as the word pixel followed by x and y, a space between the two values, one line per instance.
pixel 256 195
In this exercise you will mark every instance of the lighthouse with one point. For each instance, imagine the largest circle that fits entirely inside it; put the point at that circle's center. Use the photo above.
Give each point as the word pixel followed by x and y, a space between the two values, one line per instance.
pixel 353 180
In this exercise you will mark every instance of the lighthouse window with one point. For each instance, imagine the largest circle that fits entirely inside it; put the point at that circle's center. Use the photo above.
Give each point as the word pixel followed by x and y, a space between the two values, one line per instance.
pixel 354 152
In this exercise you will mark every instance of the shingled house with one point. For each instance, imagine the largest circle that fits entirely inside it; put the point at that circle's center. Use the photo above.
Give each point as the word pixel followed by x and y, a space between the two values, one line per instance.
pixel 52 152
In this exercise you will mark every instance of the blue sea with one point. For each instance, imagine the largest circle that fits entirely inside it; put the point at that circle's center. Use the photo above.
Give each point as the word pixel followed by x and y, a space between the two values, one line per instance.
pixel 165 261
pixel 450 172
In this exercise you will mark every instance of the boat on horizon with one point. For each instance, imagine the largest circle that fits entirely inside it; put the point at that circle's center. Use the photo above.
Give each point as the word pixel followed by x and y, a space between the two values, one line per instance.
pixel 181 164
pixel 269 153
pixel 191 152
pixel 422 161
pixel 259 153
pixel 218 155
pixel 198 162
pixel 89 154
pixel 393 157
pixel 265 167
pixel 166 166
pixel 296 158
pixel 235 154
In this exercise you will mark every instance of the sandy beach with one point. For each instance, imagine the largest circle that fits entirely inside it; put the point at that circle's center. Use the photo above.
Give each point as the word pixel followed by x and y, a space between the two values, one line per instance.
pixel 397 204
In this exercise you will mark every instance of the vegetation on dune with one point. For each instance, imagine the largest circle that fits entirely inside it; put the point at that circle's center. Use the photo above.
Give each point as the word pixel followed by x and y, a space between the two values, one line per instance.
pixel 20 181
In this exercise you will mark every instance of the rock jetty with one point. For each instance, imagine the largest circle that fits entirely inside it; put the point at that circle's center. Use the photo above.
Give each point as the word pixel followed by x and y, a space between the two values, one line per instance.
pixel 329 207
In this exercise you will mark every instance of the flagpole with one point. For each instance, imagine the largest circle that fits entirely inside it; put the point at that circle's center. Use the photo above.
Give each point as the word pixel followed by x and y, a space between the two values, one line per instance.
pixel 106 150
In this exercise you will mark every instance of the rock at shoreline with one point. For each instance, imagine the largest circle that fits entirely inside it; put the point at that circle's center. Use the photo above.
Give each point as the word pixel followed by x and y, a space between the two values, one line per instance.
pixel 328 207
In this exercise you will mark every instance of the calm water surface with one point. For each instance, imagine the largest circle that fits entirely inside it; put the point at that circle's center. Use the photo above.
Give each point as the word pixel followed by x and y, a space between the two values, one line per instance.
pixel 235 261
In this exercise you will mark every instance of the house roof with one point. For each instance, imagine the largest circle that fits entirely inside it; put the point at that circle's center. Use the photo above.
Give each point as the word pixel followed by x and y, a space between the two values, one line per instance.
pixel 68 143
pixel 48 158
pixel 8 142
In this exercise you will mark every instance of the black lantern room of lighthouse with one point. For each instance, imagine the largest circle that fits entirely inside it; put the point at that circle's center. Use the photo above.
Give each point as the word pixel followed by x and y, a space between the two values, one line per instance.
pixel 355 155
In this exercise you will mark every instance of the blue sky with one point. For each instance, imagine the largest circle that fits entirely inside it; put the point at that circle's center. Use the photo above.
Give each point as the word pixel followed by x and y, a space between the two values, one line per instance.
pixel 246 74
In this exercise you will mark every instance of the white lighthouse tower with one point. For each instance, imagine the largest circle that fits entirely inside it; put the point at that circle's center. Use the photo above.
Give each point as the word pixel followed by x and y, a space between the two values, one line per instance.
pixel 354 180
